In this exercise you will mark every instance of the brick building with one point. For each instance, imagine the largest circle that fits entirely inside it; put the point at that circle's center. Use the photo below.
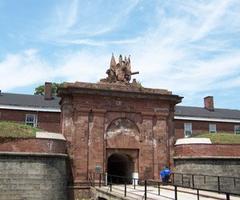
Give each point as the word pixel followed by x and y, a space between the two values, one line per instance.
pixel 40 111
pixel 196 120
pixel 44 112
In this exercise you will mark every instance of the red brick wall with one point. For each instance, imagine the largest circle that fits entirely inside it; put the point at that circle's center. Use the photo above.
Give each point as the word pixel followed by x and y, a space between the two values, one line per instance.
pixel 48 121
pixel 85 122
pixel 201 126
pixel 204 150
pixel 33 145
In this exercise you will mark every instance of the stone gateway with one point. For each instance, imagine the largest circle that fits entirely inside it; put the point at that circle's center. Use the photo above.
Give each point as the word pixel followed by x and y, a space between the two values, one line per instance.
pixel 118 128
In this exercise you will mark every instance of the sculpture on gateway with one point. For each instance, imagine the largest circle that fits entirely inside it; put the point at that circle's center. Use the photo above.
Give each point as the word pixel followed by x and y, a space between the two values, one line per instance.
pixel 119 72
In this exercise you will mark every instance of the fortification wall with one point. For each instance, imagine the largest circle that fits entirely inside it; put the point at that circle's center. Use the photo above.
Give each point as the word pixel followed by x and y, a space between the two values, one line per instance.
pixel 33 169
pixel 220 160
pixel 211 159
pixel 207 150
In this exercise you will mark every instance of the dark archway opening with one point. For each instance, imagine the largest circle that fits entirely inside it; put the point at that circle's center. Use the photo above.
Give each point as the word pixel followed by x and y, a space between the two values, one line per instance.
pixel 120 168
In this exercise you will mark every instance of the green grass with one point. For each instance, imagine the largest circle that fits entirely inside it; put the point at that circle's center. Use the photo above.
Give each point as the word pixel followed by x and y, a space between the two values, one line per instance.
pixel 221 138
pixel 16 130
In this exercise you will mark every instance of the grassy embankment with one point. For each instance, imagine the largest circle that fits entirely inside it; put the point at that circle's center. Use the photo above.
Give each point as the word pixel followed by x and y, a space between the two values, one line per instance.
pixel 16 130
pixel 221 138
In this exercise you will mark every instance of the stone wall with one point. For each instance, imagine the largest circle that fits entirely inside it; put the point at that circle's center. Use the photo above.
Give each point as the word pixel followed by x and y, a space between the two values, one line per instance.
pixel 33 169
pixel 217 161
pixel 214 167
pixel 33 145
pixel 207 150
pixel 29 177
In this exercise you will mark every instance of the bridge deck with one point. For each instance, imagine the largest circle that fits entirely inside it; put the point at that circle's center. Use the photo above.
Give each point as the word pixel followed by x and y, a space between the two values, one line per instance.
pixel 166 193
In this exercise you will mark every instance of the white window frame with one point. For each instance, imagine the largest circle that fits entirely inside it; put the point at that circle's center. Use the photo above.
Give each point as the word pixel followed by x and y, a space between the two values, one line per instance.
pixel 187 130
pixel 32 123
pixel 212 128
pixel 237 129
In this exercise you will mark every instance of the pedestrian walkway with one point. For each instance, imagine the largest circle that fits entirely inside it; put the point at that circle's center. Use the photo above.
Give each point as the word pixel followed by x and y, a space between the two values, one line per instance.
pixel 166 193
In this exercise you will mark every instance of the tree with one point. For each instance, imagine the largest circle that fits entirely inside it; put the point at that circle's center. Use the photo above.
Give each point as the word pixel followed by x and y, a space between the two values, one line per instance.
pixel 40 89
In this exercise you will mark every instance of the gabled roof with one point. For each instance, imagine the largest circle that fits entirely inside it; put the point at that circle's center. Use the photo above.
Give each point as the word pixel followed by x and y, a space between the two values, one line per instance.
pixel 198 112
pixel 29 102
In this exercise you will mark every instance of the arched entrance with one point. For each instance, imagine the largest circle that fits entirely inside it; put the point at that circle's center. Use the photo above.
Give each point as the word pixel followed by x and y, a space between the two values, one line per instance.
pixel 120 165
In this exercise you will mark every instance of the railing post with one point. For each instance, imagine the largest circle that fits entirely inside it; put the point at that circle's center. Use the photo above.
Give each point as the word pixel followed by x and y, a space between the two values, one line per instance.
pixel 125 188
pixel 218 183
pixel 158 188
pixel 134 183
pixel 173 175
pixel 175 190
pixel 100 179
pixel 106 179
pixel 227 196
pixel 94 179
pixel 193 181
pixel 110 183
pixel 145 189
pixel 197 194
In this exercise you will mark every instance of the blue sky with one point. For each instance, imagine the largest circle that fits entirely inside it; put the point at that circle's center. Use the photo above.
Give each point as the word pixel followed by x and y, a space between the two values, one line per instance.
pixel 189 47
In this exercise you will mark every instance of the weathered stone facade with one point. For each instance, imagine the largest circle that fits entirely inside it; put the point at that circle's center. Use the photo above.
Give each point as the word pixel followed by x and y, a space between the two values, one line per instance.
pixel 207 151
pixel 99 120
pixel 33 168
pixel 222 168
pixel 213 160
pixel 29 176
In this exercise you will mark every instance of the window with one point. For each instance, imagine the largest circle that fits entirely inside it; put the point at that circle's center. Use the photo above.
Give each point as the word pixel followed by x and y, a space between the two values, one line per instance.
pixel 187 129
pixel 212 128
pixel 237 129
pixel 31 120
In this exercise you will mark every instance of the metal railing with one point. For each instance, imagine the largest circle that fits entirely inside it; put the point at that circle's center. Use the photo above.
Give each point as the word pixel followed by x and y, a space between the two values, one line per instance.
pixel 177 180
pixel 207 182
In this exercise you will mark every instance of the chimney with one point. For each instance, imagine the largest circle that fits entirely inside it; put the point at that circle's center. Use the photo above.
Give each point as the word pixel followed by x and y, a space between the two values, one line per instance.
pixel 208 103
pixel 48 91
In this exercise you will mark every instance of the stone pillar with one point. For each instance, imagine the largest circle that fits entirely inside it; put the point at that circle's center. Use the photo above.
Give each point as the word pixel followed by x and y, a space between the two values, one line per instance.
pixel 96 140
pixel 160 147
pixel 146 151
pixel 68 128
pixel 67 124
pixel 171 136
pixel 80 147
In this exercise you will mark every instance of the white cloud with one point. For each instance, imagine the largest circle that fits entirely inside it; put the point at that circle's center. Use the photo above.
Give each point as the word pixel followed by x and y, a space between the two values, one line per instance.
pixel 84 19
pixel 188 48
pixel 83 66
pixel 29 67
pixel 90 42
pixel 23 69
pixel 168 57
pixel 72 14
pixel 212 18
